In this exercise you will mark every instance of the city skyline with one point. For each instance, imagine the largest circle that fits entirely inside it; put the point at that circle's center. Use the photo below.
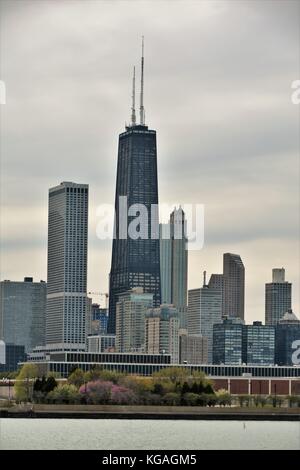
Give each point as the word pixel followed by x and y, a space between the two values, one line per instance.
pixel 79 119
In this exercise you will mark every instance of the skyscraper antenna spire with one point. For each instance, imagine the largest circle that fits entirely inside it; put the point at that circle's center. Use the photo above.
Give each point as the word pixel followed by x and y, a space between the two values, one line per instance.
pixel 142 110
pixel 133 116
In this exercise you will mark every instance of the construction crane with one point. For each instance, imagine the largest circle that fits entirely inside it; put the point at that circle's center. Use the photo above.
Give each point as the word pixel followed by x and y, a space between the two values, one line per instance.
pixel 103 294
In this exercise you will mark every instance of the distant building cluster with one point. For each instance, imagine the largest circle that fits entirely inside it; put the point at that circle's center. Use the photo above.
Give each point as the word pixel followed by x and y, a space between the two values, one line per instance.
pixel 151 313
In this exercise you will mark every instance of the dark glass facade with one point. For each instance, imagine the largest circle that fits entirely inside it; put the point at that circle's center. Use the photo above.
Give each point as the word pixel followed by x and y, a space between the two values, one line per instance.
pixel 99 320
pixel 135 261
pixel 258 344
pixel 14 353
pixel 23 313
pixel 287 334
pixel 278 300
pixel 227 343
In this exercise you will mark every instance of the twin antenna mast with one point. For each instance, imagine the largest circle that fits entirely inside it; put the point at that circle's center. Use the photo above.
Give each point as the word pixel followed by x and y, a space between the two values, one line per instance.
pixel 142 109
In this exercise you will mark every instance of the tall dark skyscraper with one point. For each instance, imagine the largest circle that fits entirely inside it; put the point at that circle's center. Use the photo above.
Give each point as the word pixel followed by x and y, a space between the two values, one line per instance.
pixel 234 286
pixel 135 260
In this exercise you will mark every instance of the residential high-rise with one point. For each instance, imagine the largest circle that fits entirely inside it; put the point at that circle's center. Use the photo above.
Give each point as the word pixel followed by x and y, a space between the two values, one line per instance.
pixel 174 263
pixel 258 344
pixel 193 349
pixel 23 312
pixel 131 310
pixel 165 250
pixel 135 256
pixel 204 310
pixel 67 303
pixel 234 286
pixel 287 343
pixel 278 298
pixel 227 342
pixel 99 320
pixel 162 332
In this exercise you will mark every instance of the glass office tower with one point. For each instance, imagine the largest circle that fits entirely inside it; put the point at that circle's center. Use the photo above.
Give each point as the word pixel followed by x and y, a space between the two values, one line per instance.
pixel 135 258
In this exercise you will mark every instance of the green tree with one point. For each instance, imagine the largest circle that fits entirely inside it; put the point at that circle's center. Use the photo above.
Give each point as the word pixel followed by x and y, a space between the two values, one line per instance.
pixel 208 388
pixel 158 389
pixel 196 388
pixel 191 399
pixel 141 386
pixel 275 400
pixel 171 398
pixel 42 387
pixel 256 400
pixel 185 388
pixel 293 400
pixel 111 375
pixel 93 374
pixel 56 375
pixel 76 378
pixel 211 399
pixel 174 374
pixel 100 373
pixel 223 397
pixel 25 381
pixel 49 385
pixel 241 399
pixel 67 393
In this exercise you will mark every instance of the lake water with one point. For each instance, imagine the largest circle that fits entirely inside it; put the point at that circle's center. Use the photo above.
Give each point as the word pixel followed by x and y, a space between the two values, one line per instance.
pixel 147 434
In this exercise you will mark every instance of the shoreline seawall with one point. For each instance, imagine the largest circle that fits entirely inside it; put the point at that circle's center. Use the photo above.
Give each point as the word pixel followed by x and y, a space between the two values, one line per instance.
pixel 150 412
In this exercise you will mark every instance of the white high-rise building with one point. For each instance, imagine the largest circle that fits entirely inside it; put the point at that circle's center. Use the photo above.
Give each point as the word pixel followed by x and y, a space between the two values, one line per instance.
pixel 174 263
pixel 193 349
pixel 204 310
pixel 130 320
pixel 162 331
pixel 67 303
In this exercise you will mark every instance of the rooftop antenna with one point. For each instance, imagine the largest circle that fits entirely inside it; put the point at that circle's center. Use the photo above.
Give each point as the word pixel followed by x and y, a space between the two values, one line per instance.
pixel 204 278
pixel 133 116
pixel 142 111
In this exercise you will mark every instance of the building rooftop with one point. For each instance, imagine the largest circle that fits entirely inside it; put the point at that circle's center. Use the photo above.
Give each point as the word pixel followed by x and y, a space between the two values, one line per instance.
pixel 289 316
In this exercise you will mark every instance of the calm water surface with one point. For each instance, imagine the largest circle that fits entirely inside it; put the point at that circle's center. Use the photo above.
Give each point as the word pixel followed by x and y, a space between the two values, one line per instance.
pixel 147 434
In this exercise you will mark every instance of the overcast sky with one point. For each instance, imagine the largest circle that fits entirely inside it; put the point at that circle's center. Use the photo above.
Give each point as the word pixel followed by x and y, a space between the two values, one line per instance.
pixel 218 92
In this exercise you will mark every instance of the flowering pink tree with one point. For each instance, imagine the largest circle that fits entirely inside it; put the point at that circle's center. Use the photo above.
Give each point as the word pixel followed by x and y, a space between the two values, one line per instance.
pixel 97 392
pixel 122 395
